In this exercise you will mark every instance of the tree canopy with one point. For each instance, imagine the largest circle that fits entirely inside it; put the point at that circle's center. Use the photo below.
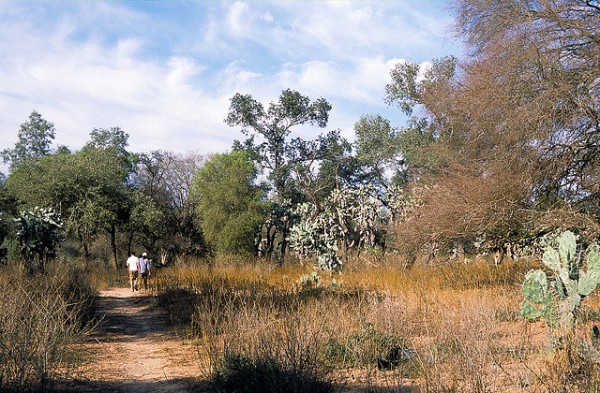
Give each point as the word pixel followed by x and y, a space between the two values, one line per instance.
pixel 34 139
pixel 268 130
pixel 231 205
pixel 507 142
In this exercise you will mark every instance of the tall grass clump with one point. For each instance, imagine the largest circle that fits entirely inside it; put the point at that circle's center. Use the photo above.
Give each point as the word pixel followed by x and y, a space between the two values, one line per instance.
pixel 42 318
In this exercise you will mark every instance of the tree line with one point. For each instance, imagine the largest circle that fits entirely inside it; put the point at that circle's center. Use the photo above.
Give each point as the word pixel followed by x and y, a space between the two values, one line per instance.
pixel 501 148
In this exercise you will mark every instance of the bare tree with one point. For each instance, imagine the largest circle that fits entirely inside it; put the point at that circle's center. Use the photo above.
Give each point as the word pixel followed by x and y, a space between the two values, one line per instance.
pixel 510 136
pixel 165 220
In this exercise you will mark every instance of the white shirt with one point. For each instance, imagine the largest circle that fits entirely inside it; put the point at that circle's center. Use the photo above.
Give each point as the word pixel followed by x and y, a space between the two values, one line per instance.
pixel 132 263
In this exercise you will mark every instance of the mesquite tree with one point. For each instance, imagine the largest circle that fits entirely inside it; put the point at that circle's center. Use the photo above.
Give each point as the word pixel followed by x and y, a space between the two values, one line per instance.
pixel 268 130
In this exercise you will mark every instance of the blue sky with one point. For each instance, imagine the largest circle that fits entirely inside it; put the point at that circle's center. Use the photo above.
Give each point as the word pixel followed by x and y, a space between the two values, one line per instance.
pixel 164 71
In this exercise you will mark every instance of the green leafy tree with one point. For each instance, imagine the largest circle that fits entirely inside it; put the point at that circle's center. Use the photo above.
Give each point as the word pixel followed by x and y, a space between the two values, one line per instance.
pixel 298 170
pixel 231 205
pixel 34 139
pixel 378 152
pixel 87 188
pixel 320 165
pixel 112 138
pixel 268 130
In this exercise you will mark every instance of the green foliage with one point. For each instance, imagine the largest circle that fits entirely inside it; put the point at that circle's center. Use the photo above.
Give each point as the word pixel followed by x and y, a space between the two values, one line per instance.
pixel 35 137
pixel 320 165
pixel 89 189
pixel 237 373
pixel 231 205
pixel 273 126
pixel 114 139
pixel 38 234
pixel 377 147
pixel 417 145
pixel 557 299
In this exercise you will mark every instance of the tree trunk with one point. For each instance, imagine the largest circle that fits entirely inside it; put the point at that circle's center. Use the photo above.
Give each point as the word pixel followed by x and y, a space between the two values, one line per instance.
pixel 130 242
pixel 113 244
pixel 85 245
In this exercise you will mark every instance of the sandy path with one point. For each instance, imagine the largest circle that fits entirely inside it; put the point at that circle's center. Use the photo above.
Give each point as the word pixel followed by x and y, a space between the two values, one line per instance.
pixel 134 349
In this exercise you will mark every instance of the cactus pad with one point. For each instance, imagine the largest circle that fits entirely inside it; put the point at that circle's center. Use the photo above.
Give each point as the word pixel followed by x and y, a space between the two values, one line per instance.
pixel 588 282
pixel 530 311
pixel 551 259
pixel 567 246
pixel 535 286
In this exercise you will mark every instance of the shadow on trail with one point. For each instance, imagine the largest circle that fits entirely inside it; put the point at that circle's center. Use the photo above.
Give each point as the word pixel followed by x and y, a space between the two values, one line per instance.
pixel 167 386
pixel 128 318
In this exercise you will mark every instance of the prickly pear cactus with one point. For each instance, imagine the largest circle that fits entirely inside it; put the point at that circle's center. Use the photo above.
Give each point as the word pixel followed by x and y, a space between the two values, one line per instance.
pixel 558 298
pixel 38 235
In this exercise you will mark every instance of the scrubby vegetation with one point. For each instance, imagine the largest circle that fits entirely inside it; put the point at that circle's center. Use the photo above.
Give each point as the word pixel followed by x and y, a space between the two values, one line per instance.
pixel 455 328
pixel 42 321
pixel 365 260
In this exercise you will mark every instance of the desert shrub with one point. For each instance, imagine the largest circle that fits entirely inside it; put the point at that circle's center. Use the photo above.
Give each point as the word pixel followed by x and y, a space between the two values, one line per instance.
pixel 41 318
pixel 361 348
pixel 242 374
pixel 257 337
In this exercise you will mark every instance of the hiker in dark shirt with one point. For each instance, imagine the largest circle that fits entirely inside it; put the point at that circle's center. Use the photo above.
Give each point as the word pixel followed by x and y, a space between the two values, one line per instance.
pixel 144 269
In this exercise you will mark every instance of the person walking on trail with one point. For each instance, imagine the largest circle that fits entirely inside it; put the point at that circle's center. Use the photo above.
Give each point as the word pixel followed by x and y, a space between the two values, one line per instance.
pixel 132 265
pixel 144 269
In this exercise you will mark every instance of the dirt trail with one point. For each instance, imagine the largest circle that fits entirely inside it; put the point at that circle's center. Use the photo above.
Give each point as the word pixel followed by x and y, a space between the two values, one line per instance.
pixel 134 349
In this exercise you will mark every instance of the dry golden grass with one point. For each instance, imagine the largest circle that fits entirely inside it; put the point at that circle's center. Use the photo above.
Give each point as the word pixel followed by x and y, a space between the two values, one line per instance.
pixel 42 319
pixel 461 321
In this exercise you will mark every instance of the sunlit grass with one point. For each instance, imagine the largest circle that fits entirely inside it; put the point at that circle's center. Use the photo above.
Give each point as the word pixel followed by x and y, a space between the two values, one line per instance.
pixel 461 321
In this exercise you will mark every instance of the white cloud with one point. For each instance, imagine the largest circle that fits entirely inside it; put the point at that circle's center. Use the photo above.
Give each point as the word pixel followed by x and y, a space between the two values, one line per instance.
pixel 237 19
pixel 103 64
pixel 268 17
pixel 181 71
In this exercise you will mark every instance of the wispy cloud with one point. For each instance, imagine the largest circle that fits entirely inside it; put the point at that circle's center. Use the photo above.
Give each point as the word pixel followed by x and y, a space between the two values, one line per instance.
pixel 164 72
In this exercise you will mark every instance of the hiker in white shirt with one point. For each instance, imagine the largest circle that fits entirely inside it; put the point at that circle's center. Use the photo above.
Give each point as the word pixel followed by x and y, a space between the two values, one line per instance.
pixel 132 265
